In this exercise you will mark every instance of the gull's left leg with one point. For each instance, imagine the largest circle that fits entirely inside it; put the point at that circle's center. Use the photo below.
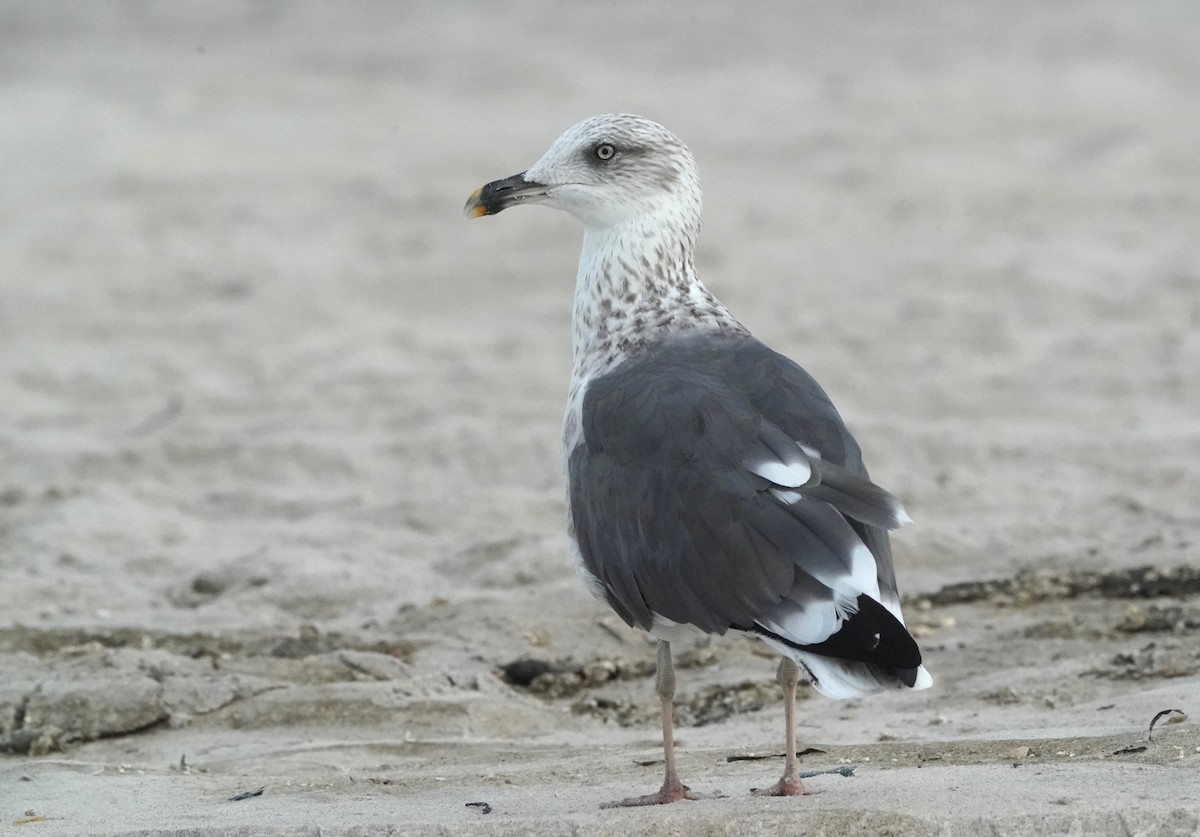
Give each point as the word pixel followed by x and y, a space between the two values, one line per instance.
pixel 672 789
pixel 787 675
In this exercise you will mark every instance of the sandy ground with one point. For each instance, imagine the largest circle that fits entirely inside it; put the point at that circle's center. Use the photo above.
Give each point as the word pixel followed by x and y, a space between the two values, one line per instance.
pixel 279 495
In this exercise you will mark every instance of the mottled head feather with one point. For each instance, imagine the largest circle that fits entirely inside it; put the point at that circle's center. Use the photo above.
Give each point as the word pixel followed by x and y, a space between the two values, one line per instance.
pixel 649 172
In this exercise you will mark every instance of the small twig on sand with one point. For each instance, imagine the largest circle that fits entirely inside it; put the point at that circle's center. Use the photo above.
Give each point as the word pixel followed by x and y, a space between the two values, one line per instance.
pixel 848 770
pixel 763 756
pixel 247 794
pixel 1129 751
pixel 1182 716
pixel 483 807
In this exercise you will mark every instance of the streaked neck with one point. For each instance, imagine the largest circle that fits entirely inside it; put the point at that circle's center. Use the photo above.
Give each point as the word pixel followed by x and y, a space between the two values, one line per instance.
pixel 637 283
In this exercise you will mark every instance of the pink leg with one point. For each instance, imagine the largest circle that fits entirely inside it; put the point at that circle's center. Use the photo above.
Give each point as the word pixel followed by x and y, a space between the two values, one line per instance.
pixel 672 789
pixel 788 674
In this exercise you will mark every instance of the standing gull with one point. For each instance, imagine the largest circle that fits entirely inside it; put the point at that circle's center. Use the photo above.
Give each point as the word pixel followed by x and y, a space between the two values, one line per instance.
pixel 711 484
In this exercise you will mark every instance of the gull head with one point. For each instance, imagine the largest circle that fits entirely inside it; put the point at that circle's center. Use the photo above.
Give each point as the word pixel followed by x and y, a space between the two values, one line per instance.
pixel 607 171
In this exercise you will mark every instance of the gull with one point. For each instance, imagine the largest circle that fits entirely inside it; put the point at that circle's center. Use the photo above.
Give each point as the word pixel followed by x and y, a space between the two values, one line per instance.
pixel 711 484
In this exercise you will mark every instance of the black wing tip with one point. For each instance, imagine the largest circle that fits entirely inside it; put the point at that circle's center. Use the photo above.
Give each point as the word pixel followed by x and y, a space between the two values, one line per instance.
pixel 872 635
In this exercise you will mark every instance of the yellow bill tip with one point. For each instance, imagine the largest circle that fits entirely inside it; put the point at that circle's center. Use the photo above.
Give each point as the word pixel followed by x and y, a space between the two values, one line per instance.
pixel 475 207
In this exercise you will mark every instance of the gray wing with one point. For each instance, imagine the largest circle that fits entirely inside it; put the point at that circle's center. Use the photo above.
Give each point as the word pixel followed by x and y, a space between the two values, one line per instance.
pixel 715 480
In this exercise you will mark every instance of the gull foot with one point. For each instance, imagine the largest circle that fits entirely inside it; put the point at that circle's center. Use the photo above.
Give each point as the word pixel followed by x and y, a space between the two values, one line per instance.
pixel 669 792
pixel 787 786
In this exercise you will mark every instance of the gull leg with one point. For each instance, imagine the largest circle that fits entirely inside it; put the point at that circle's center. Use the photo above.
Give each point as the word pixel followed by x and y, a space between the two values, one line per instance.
pixel 787 675
pixel 672 789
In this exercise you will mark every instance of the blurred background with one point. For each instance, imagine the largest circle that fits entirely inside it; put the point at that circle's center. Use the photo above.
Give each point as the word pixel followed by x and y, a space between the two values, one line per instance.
pixel 239 299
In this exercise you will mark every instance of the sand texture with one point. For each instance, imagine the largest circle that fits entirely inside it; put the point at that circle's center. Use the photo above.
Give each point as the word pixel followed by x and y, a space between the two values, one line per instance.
pixel 280 501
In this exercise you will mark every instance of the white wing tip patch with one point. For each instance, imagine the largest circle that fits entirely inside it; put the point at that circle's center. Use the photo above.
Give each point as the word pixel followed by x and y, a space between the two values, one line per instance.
pixel 786 497
pixel 864 573
pixel 791 475
pixel 811 453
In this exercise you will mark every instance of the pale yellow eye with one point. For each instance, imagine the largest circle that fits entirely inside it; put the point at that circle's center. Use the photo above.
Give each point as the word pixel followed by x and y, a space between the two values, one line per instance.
pixel 605 151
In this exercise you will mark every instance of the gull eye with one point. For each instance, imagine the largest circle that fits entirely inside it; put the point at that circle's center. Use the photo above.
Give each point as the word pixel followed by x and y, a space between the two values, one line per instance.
pixel 605 151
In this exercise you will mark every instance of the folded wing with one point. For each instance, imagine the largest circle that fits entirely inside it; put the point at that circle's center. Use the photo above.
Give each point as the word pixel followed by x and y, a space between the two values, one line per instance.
pixel 716 486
